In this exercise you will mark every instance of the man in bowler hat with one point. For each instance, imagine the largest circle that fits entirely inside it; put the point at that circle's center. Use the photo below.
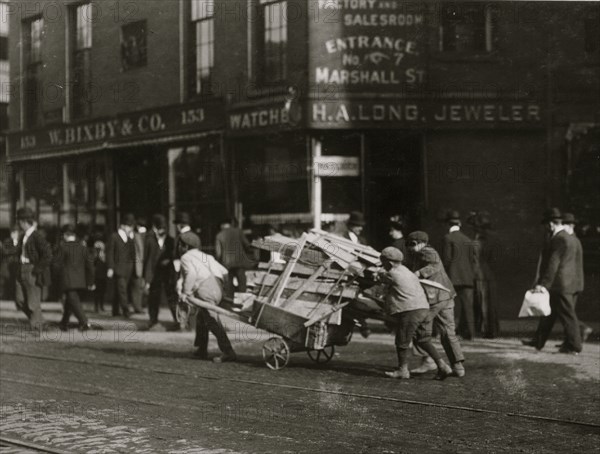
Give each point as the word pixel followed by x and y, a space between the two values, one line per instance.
pixel 120 262
pixel 77 264
pixel 558 274
pixel 459 256
pixel 35 256
pixel 158 265
pixel 353 228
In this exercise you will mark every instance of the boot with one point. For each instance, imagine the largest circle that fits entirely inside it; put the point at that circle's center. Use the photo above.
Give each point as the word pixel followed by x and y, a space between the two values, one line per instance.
pixel 427 365
pixel 401 373
pixel 226 357
pixel 458 370
pixel 444 370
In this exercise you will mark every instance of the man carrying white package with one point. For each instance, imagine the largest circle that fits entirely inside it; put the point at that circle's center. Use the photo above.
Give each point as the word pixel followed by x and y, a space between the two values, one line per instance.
pixel 203 278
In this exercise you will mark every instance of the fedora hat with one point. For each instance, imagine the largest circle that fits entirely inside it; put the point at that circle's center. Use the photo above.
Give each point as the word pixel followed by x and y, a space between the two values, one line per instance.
pixel 25 214
pixel 356 218
pixel 182 218
pixel 569 218
pixel 68 229
pixel 551 214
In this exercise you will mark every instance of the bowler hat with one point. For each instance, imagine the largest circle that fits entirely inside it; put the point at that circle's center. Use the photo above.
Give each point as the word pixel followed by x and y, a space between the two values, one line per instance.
pixel 483 220
pixel 182 218
pixel 418 236
pixel 25 214
pixel 356 218
pixel 128 219
pixel 392 254
pixel 191 239
pixel 569 218
pixel 68 229
pixel 551 214
pixel 452 215
pixel 159 221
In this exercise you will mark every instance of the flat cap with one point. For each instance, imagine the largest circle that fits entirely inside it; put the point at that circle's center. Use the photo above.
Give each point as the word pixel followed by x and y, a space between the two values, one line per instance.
pixel 392 254
pixel 418 236
pixel 191 239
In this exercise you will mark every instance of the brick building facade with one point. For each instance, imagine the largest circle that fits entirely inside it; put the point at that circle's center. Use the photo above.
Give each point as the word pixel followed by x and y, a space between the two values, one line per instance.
pixel 296 112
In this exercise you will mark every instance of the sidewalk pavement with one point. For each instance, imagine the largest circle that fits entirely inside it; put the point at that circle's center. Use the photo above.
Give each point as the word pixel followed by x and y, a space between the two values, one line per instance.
pixel 519 328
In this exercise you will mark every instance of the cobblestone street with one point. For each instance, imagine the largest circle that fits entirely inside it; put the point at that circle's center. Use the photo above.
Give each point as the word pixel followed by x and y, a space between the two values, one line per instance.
pixel 125 390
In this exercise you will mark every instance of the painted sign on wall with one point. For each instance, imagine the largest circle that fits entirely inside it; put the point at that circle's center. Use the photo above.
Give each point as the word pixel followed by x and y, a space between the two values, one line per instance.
pixel 368 45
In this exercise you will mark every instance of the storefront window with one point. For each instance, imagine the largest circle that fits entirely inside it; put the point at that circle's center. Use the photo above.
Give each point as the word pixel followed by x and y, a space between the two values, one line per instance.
pixel 273 179
pixel 199 177
pixel 341 194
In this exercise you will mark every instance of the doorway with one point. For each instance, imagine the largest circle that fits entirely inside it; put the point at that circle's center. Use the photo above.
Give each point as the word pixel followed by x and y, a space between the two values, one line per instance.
pixel 141 186
pixel 392 182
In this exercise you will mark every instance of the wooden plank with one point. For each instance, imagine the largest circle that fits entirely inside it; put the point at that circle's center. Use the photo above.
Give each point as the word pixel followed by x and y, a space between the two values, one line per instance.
pixel 319 287
pixel 307 282
pixel 211 307
pixel 300 270
pixel 339 255
pixel 287 272
pixel 356 253
pixel 318 317
pixel 339 239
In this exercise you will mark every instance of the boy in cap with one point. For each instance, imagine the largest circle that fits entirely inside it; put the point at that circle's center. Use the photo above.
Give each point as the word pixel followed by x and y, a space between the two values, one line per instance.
pixel 425 262
pixel 407 304
pixel 203 278
pixel 77 265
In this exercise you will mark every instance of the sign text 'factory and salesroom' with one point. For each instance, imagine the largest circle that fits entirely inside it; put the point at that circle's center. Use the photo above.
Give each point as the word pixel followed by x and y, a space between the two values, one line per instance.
pixel 368 45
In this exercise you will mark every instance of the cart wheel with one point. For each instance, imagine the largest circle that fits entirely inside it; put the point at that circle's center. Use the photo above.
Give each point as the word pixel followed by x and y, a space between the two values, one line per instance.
pixel 322 356
pixel 276 353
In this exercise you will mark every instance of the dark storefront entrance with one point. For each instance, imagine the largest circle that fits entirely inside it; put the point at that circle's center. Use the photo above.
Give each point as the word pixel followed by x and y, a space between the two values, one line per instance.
pixel 394 180
pixel 141 179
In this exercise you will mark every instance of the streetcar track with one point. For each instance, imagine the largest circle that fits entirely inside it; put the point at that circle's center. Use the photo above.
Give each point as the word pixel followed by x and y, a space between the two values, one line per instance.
pixel 294 387
pixel 12 442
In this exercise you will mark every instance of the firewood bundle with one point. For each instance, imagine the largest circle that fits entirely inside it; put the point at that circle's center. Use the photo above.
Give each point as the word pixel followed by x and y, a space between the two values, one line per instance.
pixel 313 276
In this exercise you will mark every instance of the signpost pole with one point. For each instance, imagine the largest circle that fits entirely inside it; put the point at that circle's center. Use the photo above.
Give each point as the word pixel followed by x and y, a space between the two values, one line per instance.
pixel 316 184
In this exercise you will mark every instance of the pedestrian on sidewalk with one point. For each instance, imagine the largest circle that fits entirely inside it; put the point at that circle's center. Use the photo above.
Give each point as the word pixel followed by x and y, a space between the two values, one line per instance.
pixel 397 233
pixel 203 277
pixel 407 304
pixel 77 265
pixel 558 274
pixel 35 256
pixel 137 281
pixel 10 263
pixel 425 262
pixel 569 221
pixel 120 262
pixel 100 279
pixel 459 256
pixel 486 244
pixel 232 251
pixel 158 270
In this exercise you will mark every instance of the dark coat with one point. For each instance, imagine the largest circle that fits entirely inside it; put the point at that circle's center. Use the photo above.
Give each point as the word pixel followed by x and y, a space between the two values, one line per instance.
pixel 158 262
pixel 428 264
pixel 232 248
pixel 400 244
pixel 579 265
pixel 560 264
pixel 120 256
pixel 77 264
pixel 39 253
pixel 459 257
